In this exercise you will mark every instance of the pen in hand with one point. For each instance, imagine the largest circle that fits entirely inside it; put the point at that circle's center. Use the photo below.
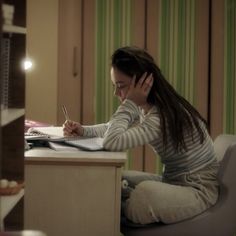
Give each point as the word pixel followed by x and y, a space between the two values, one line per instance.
pixel 65 112
pixel 71 128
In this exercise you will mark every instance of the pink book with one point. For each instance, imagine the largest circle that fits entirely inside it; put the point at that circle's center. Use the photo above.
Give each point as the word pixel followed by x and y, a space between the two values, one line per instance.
pixel 32 123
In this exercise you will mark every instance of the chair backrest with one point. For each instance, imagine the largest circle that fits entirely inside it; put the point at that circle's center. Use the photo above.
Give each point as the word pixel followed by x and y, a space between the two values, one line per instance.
pixel 223 146
pixel 221 143
pixel 225 210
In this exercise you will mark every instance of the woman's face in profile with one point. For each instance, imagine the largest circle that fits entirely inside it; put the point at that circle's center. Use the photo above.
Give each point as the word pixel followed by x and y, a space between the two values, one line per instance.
pixel 121 83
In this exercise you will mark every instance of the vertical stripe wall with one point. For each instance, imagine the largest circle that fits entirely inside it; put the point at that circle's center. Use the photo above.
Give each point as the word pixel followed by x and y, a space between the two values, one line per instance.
pixel 113 31
pixel 174 49
pixel 223 63
pixel 183 37
pixel 118 23
pixel 177 45
pixel 229 67
pixel 176 52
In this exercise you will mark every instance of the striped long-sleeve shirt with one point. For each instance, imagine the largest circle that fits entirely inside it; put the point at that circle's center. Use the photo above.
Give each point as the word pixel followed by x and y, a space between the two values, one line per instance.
pixel 123 132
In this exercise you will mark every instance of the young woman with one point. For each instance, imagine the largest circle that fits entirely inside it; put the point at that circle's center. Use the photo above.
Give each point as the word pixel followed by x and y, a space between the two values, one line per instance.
pixel 152 112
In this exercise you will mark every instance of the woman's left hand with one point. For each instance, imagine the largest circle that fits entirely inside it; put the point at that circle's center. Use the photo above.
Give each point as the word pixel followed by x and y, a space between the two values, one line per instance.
pixel 138 93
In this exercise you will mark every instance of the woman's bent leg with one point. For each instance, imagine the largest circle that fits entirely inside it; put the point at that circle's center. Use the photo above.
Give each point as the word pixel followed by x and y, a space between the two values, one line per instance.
pixel 153 201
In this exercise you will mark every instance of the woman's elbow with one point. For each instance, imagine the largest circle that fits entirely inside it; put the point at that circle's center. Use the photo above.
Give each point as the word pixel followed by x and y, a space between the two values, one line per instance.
pixel 111 146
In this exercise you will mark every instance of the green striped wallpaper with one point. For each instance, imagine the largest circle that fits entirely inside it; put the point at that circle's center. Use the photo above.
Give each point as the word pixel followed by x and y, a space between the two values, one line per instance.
pixel 113 30
pixel 176 49
pixel 177 45
pixel 229 68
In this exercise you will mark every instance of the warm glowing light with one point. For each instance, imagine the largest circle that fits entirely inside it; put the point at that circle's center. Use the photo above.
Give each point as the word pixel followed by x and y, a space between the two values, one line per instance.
pixel 27 64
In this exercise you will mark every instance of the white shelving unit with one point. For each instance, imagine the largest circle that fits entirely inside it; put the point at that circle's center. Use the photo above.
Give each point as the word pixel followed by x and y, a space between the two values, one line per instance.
pixel 12 109
pixel 9 115
pixel 14 29
pixel 7 203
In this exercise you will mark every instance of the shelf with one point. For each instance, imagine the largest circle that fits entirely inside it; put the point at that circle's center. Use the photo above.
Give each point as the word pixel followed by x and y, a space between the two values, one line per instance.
pixel 14 29
pixel 23 233
pixel 7 203
pixel 9 115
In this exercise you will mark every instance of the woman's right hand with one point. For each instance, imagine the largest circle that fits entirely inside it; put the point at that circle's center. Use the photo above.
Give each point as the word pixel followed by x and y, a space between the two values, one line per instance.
pixel 72 128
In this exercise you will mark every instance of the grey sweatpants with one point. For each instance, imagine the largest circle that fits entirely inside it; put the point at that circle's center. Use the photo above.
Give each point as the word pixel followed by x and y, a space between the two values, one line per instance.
pixel 147 198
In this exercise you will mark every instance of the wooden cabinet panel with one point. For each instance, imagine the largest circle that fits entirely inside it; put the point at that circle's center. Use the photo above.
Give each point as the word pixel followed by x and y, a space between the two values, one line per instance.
pixel 69 59
pixel 56 52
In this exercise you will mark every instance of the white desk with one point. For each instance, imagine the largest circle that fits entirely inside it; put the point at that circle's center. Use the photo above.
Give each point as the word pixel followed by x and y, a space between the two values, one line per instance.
pixel 73 193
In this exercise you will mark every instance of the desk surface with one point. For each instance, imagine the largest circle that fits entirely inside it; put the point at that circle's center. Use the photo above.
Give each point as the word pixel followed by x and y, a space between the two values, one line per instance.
pixel 46 155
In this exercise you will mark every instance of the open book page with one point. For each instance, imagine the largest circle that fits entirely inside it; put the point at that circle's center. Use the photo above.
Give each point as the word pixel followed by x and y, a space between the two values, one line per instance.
pixel 90 144
pixel 55 134
pixel 51 133
pixel 61 146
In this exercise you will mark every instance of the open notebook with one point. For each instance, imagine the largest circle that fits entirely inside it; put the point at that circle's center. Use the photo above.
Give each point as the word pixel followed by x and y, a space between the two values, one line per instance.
pixel 55 134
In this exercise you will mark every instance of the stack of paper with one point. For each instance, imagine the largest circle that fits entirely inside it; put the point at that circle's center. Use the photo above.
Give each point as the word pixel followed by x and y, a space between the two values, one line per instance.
pixel 56 140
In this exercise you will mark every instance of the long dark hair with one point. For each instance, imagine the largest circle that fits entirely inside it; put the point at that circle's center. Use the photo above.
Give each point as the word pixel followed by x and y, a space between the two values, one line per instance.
pixel 174 110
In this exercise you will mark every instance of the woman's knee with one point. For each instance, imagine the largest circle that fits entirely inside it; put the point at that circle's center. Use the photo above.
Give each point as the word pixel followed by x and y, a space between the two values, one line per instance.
pixel 139 208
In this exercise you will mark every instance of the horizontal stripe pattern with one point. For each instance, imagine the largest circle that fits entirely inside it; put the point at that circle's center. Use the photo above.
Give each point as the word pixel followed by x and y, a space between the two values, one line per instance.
pixel 120 130
pixel 95 130
pixel 124 132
